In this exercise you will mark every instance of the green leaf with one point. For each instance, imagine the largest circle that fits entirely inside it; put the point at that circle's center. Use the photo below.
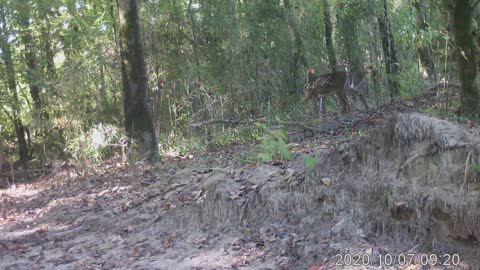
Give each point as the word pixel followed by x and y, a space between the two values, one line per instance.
pixel 310 162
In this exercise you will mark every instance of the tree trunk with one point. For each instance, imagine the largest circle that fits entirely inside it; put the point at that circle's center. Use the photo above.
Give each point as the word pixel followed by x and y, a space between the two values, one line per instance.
pixel 103 102
pixel 373 57
pixel 424 52
pixel 138 120
pixel 467 66
pixel 52 71
pixel 49 53
pixel 114 25
pixel 348 29
pixel 194 40
pixel 299 62
pixel 389 51
pixel 33 71
pixel 20 131
pixel 72 42
pixel 332 59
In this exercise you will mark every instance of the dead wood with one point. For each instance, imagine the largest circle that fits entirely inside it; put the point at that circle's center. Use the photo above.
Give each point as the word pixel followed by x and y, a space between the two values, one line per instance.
pixel 252 121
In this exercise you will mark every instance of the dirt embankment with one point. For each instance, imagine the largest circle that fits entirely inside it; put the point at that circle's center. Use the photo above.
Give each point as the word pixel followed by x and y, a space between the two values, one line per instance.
pixel 411 185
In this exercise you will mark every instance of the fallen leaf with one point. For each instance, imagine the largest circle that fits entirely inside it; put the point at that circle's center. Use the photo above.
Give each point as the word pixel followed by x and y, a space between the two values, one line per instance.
pixel 289 173
pixel 16 247
pixel 136 252
pixel 326 181
pixel 103 192
pixel 235 195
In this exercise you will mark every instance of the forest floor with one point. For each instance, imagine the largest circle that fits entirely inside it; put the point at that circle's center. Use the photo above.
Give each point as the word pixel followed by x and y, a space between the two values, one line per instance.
pixel 203 211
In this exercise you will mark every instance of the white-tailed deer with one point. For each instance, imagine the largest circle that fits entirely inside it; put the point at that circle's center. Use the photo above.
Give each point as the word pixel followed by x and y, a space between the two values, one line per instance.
pixel 339 83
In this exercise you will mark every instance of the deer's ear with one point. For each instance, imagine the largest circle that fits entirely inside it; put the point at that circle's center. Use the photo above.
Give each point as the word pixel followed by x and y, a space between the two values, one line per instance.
pixel 310 71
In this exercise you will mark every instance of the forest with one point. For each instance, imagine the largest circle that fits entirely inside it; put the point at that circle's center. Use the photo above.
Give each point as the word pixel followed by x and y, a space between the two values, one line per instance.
pixel 236 134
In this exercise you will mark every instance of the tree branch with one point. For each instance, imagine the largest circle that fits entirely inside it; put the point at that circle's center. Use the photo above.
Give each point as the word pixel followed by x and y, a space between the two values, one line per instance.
pixel 6 113
pixel 475 5
pixel 251 121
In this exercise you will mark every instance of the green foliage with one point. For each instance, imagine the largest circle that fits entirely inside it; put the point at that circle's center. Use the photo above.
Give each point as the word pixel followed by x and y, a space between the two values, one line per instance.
pixel 432 110
pixel 410 87
pixel 273 146
pixel 236 136
pixel 476 168
pixel 310 162
pixel 246 66
pixel 449 114
pixel 459 118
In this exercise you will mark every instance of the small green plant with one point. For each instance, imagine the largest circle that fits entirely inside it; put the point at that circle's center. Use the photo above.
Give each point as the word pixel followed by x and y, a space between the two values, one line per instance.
pixel 433 111
pixel 273 145
pixel 461 119
pixel 249 158
pixel 476 168
pixel 310 162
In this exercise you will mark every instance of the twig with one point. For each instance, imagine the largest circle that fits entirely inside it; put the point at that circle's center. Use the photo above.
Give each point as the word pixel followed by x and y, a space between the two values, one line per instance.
pixel 474 6
pixel 11 173
pixel 467 167
pixel 251 121
pixel 441 84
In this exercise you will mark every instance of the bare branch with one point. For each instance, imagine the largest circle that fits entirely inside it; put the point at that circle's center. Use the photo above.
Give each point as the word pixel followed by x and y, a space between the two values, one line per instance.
pixel 475 5
pixel 252 121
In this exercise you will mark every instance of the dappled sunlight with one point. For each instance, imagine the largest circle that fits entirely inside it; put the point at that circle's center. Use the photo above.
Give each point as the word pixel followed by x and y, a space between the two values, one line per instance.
pixel 19 191
pixel 37 209
pixel 177 154
pixel 38 228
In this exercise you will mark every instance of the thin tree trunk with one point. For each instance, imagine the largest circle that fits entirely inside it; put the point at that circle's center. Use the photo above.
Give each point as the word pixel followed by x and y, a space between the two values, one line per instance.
pixel 52 71
pixel 103 89
pixel 194 39
pixel 33 78
pixel 20 130
pixel 332 59
pixel 198 84
pixel 299 61
pixel 467 65
pixel 348 28
pixel 138 119
pixel 49 53
pixel 389 51
pixel 425 52
pixel 114 25
pixel 373 57
pixel 73 42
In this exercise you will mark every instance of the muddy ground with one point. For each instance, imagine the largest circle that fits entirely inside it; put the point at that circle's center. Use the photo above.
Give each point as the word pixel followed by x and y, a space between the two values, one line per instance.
pixel 393 189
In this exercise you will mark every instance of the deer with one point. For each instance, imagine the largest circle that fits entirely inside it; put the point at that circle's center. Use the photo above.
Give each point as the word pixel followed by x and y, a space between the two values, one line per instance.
pixel 338 83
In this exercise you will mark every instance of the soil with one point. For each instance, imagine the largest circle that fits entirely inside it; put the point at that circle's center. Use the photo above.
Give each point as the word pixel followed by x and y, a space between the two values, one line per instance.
pixel 392 189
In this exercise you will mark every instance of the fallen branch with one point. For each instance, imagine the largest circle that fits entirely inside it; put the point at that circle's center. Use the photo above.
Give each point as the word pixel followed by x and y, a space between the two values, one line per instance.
pixel 435 87
pixel 252 121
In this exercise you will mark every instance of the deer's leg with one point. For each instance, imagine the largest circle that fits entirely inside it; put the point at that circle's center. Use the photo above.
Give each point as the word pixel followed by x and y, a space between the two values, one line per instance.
pixel 318 107
pixel 358 94
pixel 335 102
pixel 321 106
pixel 342 98
pixel 363 101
